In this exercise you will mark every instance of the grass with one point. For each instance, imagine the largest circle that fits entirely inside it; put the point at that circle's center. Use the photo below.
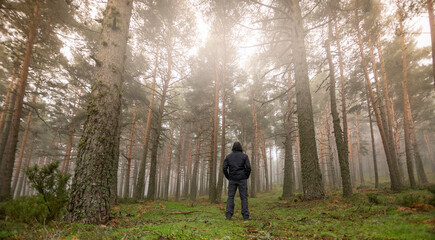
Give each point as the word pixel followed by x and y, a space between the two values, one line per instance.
pixel 272 218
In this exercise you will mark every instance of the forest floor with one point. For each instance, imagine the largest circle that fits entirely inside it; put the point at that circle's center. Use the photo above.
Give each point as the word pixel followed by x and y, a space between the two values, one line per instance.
pixel 370 214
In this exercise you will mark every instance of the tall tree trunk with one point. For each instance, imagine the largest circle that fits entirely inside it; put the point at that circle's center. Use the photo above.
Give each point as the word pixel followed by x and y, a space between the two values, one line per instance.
pixel 263 151
pixel 391 159
pixel 330 157
pixel 213 161
pixel 375 163
pixel 69 144
pixel 422 179
pixel 361 172
pixel 158 127
pixel 299 169
pixel 223 139
pixel 130 151
pixel 8 157
pixel 311 175
pixel 432 35
pixel 169 156
pixel 8 98
pixel 92 189
pixel 254 150
pixel 189 163
pixel 340 137
pixel 194 181
pixel 139 190
pixel 180 160
pixel 23 178
pixel 344 146
pixel 406 104
pixel 23 145
pixel 289 181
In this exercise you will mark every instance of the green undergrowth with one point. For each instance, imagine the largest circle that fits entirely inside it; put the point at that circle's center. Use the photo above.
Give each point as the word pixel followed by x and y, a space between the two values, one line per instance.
pixel 390 216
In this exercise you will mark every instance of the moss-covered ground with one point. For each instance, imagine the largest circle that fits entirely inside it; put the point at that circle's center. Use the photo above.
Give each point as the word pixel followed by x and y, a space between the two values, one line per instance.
pixel 370 214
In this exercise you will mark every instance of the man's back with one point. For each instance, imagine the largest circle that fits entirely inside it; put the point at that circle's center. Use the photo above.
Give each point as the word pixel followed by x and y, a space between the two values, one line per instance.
pixel 238 165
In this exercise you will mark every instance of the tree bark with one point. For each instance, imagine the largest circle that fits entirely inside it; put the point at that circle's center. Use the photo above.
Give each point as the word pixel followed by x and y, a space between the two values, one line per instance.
pixel 93 189
pixel 139 190
pixel 8 157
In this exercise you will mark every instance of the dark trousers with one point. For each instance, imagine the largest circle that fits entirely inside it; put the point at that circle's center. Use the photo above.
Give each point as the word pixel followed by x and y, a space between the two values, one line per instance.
pixel 242 185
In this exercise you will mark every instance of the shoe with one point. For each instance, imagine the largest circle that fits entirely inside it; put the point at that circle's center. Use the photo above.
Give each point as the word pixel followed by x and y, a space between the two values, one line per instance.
pixel 247 219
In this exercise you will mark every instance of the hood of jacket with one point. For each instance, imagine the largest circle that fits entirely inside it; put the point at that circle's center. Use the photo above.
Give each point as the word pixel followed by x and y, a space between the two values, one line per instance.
pixel 237 147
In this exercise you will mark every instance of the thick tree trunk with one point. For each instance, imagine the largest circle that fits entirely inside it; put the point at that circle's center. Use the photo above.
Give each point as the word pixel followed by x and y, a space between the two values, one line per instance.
pixel 130 151
pixel 391 159
pixel 139 190
pixel 8 157
pixel 340 137
pixel 311 175
pixel 92 189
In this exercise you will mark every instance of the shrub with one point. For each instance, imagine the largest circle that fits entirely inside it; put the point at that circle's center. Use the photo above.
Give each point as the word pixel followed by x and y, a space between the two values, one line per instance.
pixel 408 199
pixel 373 198
pixel 27 209
pixel 431 188
pixel 51 185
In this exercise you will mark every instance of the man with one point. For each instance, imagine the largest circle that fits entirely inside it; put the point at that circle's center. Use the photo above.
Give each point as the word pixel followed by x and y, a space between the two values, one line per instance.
pixel 239 170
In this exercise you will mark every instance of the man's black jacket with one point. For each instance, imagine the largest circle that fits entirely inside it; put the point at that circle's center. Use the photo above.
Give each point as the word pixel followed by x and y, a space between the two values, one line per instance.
pixel 237 163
